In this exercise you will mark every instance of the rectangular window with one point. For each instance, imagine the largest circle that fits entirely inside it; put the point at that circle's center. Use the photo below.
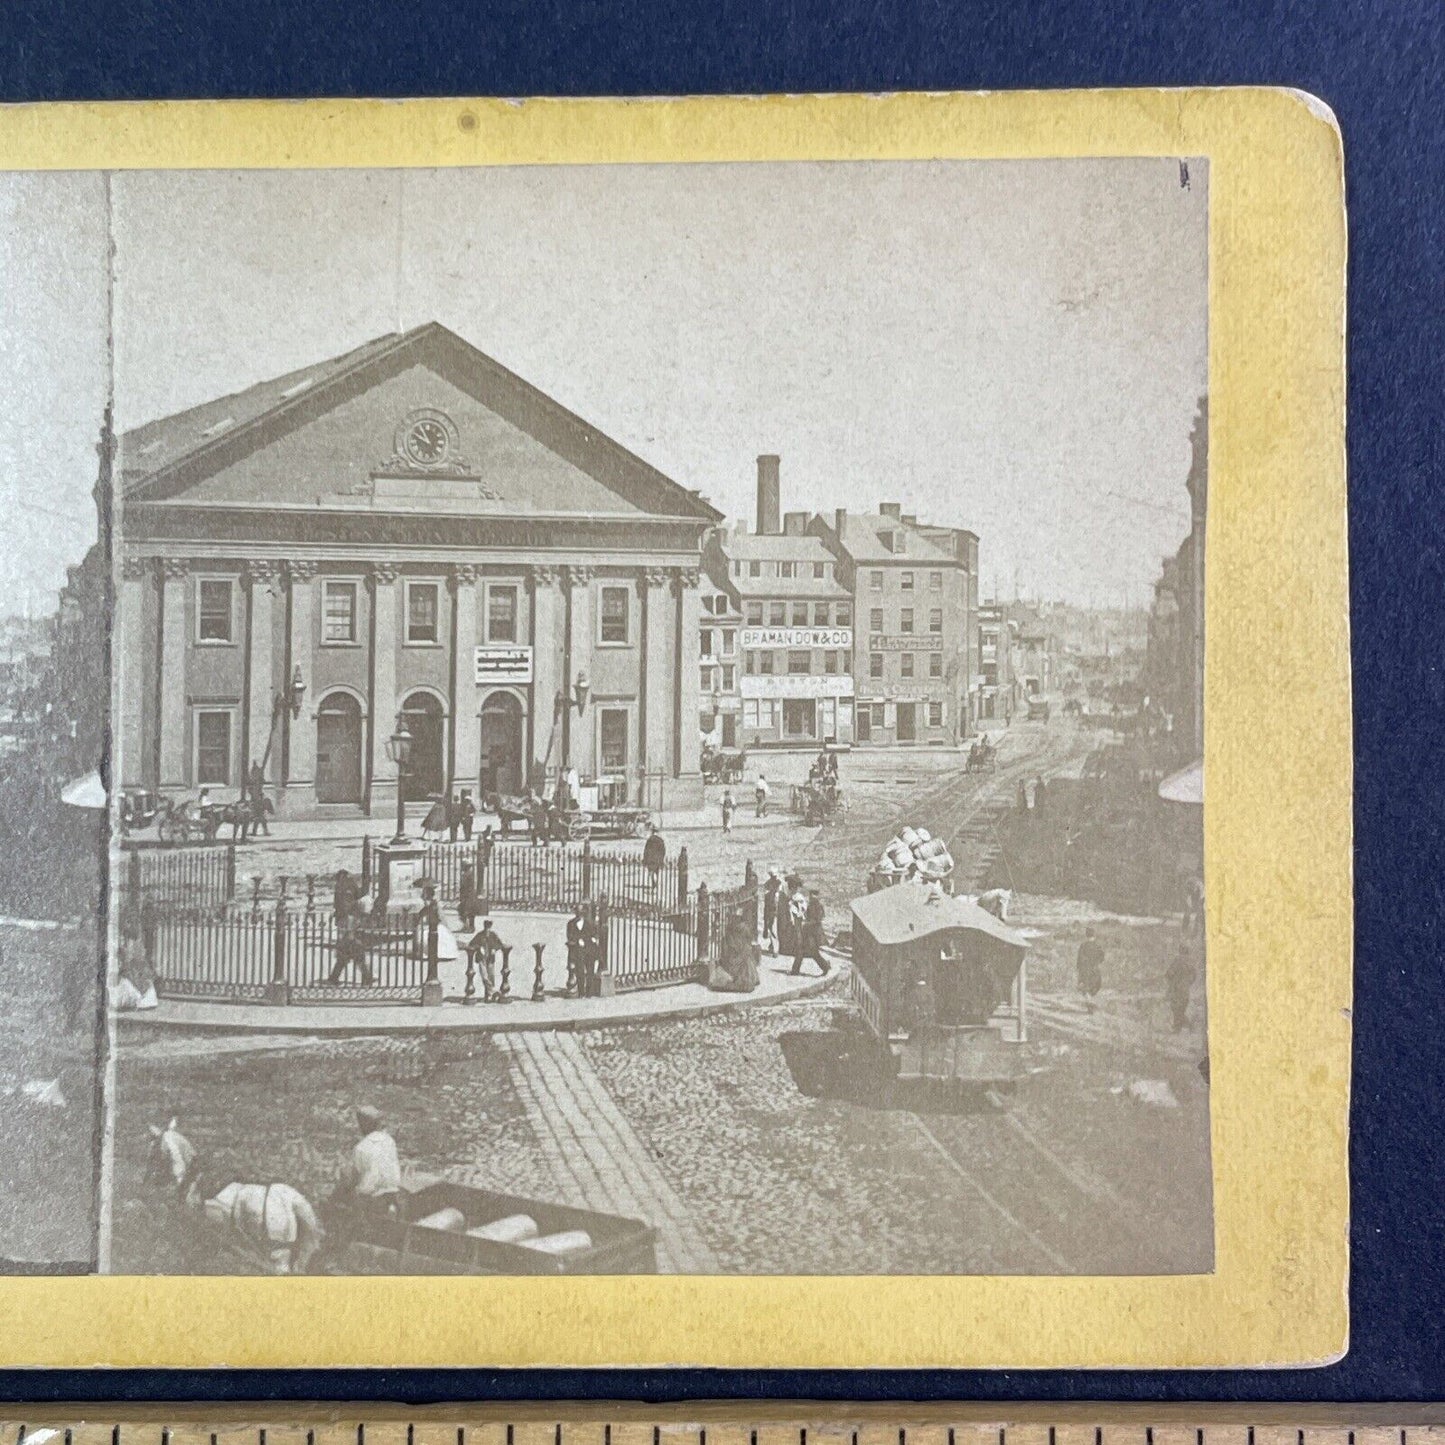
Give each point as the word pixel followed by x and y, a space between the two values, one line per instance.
pixel 907 582
pixel 820 614
pixel 706 647
pixel 875 620
pixel 785 569
pixel 935 619
pixel 875 580
pixel 755 569
pixel 612 738
pixel 830 662
pixel 338 612
pixel 905 620
pixel 765 663
pixel 750 712
pixel 705 679
pixel 738 568
pixel 820 571
pixel 935 664
pixel 935 714
pixel 875 664
pixel 767 713
pixel 729 642
pixel 750 663
pixel 755 614
pixel 777 615
pixel 905 664
pixel 800 663
pixel 614 616
pixel 800 614
pixel 213 749
pixel 935 581
pixel 845 614
pixel 213 609
pixel 421 612
pixel 728 677
pixel 501 614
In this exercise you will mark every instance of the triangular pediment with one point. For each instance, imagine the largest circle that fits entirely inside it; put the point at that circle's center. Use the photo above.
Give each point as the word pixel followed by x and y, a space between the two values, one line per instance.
pixel 416 423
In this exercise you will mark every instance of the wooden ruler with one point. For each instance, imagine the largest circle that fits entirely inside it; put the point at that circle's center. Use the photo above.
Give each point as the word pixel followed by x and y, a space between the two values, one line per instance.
pixel 719 1423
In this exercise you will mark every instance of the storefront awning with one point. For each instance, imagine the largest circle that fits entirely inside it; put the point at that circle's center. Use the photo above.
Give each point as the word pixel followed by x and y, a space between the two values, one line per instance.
pixel 1185 786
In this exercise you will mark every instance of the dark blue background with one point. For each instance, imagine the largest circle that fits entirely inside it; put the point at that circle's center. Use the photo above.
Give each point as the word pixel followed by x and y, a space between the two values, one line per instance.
pixel 1380 67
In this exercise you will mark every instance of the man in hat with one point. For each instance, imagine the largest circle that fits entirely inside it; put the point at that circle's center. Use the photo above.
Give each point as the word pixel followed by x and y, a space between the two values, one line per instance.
pixel 371 1181
pixel 810 933
pixel 772 893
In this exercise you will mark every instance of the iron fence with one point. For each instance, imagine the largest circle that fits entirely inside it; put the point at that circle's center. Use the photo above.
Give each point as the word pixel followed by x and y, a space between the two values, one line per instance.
pixel 191 877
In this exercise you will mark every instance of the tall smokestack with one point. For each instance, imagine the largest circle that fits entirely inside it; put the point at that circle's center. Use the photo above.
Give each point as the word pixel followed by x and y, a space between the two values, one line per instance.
pixel 769 496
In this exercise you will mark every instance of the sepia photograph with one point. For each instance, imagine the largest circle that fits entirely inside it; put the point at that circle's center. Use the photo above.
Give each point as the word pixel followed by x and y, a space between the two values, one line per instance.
pixel 655 717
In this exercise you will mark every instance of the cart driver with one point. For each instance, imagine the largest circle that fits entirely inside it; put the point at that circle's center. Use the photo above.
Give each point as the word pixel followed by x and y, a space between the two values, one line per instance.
pixel 371 1180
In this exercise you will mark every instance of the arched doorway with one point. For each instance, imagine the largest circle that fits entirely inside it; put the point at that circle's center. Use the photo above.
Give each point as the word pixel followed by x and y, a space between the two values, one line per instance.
pixel 503 741
pixel 338 749
pixel 426 773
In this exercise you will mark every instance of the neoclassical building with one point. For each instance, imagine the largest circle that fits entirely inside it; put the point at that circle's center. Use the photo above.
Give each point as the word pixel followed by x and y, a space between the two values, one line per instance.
pixel 408 530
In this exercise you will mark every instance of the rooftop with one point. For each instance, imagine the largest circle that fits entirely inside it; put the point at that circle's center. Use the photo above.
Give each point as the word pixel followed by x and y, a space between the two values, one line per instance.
pixel 862 539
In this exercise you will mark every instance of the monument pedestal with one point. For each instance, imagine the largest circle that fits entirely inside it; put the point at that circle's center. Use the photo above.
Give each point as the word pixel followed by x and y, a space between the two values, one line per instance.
pixel 398 869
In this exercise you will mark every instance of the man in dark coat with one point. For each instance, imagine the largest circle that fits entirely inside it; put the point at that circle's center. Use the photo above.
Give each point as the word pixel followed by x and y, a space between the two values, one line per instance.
pixel 577 969
pixel 468 814
pixel 1090 968
pixel 772 894
pixel 344 895
pixel 654 854
pixel 810 936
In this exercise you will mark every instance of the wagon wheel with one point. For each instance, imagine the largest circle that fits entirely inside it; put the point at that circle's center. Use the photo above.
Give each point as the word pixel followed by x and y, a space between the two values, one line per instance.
pixel 166 829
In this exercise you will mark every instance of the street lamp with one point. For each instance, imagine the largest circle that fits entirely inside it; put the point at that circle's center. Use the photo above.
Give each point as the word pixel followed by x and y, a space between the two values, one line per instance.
pixel 398 749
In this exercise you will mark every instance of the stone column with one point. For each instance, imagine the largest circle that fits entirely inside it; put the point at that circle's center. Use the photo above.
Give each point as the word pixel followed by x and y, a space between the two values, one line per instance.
pixel 580 752
pixel 131 709
pixel 300 732
pixel 686 747
pixel 466 726
pixel 384 700
pixel 546 635
pixel 175 713
pixel 654 725
pixel 263 579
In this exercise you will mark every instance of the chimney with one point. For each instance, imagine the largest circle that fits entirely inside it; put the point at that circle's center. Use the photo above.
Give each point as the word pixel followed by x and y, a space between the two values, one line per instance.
pixel 889 509
pixel 910 519
pixel 795 524
pixel 840 516
pixel 769 496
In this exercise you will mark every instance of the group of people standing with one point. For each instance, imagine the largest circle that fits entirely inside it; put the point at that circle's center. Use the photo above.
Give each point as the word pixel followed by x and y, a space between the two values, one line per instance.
pixel 793 920
pixel 453 816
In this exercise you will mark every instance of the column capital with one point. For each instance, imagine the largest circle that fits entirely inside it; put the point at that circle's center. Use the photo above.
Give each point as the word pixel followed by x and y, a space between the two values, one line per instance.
pixel 685 579
pixel 543 576
pixel 655 576
pixel 578 576
pixel 464 574
pixel 173 567
pixel 384 572
pixel 134 569
pixel 261 569
pixel 302 571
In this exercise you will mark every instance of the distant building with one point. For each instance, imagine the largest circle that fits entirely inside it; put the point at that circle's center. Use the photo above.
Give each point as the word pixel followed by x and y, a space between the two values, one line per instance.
pixel 719 660
pixel 795 684
pixel 1034 651
pixel 914 595
pixel 997 691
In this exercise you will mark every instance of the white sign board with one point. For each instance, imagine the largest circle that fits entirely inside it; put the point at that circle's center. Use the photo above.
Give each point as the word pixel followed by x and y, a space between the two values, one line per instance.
pixel 503 664
pixel 834 685
pixel 797 637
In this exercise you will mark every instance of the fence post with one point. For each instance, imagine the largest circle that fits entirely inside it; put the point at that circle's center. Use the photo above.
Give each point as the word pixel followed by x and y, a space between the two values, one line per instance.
pixel 605 985
pixel 467 897
pixel 682 875
pixel 366 864
pixel 504 987
pixel 704 922
pixel 431 990
pixel 750 875
pixel 148 931
pixel 133 875
pixel 230 870
pixel 539 992
pixel 586 867
pixel 277 991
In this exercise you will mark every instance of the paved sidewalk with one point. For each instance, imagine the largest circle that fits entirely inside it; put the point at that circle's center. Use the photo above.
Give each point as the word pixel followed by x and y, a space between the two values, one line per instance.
pixel 595 1155
pixel 776 985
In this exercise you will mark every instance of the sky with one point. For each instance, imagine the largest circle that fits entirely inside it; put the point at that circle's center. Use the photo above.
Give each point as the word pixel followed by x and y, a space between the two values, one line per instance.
pixel 1018 347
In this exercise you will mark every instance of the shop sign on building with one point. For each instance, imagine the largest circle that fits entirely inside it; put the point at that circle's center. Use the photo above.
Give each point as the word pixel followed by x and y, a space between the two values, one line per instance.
pixel 797 637
pixel 905 642
pixel 503 665
pixel 831 685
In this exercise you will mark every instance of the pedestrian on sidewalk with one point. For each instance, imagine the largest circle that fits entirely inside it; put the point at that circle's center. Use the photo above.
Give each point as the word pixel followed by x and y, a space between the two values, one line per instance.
pixel 654 855
pixel 1089 967
pixel 728 807
pixel 760 796
pixel 256 788
pixel 810 934
pixel 1179 984
pixel 1040 793
pixel 344 895
pixel 469 814
pixel 485 844
pixel 483 948
pixel 454 817
pixel 351 944
pixel 772 897
pixel 577 970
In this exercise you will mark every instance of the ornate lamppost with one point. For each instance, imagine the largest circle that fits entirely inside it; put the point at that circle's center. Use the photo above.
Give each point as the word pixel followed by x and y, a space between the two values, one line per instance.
pixel 398 749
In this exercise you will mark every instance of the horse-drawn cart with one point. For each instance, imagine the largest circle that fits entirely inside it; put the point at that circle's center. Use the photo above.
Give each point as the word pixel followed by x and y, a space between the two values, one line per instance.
pixel 446 1228
pixel 723 765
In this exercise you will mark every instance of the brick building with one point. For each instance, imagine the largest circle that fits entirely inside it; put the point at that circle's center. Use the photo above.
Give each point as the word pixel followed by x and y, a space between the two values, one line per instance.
pixel 914 592
pixel 406 531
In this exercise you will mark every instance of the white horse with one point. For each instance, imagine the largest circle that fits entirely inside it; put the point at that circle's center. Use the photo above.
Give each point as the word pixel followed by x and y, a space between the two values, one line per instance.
pixel 273 1221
